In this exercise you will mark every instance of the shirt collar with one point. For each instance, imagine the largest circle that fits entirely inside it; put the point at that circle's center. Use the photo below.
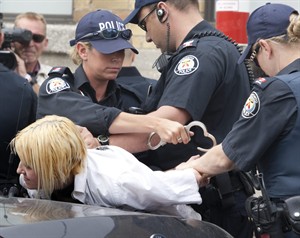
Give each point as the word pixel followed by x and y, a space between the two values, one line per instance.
pixel 81 82
pixel 291 68
pixel 36 69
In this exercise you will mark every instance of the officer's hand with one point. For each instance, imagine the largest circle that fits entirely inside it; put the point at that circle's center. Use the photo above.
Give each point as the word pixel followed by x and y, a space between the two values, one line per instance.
pixel 90 141
pixel 202 179
pixel 187 164
pixel 21 68
pixel 172 132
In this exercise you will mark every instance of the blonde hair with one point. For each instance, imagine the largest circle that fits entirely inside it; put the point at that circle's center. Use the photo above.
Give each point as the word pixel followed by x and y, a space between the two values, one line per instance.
pixel 294 28
pixel 74 53
pixel 53 148
pixel 32 16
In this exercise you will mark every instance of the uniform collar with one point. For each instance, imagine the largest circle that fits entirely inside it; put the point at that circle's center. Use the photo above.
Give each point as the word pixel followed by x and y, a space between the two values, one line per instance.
pixel 291 68
pixel 81 82
pixel 80 77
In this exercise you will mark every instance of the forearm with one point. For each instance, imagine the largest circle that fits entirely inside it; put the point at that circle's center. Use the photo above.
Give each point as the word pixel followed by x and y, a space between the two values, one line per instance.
pixel 132 123
pixel 133 143
pixel 127 131
pixel 139 128
pixel 164 189
pixel 211 163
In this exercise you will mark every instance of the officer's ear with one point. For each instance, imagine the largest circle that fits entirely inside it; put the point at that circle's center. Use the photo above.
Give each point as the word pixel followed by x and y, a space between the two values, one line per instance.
pixel 82 50
pixel 162 12
pixel 266 47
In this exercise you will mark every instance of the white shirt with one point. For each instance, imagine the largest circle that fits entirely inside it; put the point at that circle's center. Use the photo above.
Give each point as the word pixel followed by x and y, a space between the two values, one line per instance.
pixel 114 177
pixel 42 74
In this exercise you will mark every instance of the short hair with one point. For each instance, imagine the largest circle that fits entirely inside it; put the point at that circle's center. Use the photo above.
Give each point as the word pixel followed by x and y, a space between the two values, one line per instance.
pixel 32 16
pixel 53 148
pixel 181 5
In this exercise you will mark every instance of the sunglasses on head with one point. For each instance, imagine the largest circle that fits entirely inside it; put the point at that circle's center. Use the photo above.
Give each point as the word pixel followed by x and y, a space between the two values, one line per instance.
pixel 108 34
pixel 38 38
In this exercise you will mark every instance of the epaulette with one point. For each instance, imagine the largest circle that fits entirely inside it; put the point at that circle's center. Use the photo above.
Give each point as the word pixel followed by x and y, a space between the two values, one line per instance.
pixel 189 43
pixel 263 82
pixel 59 71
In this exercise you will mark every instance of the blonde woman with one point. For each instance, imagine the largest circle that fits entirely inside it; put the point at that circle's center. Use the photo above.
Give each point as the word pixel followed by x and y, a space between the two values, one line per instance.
pixel 55 162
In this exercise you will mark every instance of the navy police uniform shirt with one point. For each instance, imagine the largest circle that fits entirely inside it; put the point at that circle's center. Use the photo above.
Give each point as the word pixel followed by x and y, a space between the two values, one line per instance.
pixel 74 98
pixel 269 115
pixel 204 79
pixel 18 109
pixel 135 88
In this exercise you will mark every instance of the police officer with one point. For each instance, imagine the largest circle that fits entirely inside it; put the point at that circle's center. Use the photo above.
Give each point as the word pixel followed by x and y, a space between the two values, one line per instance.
pixel 202 81
pixel 268 131
pixel 91 98
pixel 18 109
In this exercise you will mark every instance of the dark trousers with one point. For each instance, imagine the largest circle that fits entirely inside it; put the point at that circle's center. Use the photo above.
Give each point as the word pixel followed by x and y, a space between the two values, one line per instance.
pixel 233 219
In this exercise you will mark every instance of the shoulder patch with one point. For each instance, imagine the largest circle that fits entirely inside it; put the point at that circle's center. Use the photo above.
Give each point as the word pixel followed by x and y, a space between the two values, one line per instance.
pixel 187 44
pixel 264 82
pixel 56 69
pixel 56 85
pixel 260 81
pixel 190 43
pixel 187 65
pixel 252 106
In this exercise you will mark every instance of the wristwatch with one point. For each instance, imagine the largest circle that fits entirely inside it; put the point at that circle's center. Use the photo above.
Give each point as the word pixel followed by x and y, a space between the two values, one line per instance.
pixel 30 80
pixel 103 139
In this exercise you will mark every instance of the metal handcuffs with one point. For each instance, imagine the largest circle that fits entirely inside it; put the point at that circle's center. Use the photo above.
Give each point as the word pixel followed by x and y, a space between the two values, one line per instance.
pixel 188 129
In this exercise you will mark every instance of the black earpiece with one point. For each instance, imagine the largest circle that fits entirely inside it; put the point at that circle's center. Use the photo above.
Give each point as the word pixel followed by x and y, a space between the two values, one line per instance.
pixel 160 14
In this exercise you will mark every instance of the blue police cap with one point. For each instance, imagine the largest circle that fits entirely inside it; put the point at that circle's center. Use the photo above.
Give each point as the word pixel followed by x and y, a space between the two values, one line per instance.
pixel 139 4
pixel 97 21
pixel 265 22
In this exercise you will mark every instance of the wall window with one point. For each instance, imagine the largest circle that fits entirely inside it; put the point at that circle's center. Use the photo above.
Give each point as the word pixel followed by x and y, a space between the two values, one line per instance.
pixel 55 10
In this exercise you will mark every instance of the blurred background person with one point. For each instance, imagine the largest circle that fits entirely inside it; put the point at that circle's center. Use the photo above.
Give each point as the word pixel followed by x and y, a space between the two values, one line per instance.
pixel 29 66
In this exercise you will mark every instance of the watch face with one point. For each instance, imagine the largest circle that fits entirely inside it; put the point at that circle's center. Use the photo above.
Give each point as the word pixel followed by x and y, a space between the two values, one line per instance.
pixel 103 139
